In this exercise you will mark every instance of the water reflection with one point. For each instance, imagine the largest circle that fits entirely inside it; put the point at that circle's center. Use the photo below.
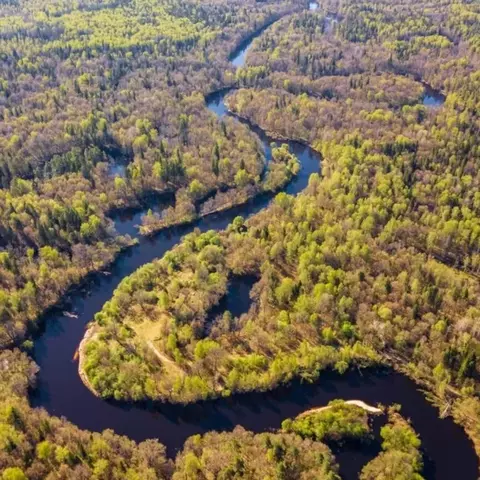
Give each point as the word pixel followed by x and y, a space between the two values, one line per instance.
pixel 432 98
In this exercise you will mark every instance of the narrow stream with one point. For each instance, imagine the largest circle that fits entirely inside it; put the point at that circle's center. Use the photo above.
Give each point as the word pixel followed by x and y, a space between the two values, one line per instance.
pixel 448 453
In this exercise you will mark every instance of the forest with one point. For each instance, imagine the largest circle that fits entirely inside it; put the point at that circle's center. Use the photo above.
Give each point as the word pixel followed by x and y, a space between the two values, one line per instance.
pixel 85 88
pixel 376 263
pixel 37 446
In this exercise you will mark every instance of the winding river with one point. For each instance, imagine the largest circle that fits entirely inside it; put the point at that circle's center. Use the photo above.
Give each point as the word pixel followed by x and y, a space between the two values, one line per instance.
pixel 448 453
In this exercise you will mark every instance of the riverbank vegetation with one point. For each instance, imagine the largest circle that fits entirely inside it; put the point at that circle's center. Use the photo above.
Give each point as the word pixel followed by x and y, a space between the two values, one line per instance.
pixel 136 341
pixel 279 171
pixel 242 454
pixel 401 456
pixel 340 422
pixel 336 422
pixel 36 446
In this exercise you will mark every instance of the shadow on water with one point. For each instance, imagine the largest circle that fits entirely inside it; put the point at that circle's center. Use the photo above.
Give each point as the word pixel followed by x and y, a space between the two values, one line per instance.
pixel 236 300
pixel 127 220
pixel 448 451
pixel 432 98
pixel 353 456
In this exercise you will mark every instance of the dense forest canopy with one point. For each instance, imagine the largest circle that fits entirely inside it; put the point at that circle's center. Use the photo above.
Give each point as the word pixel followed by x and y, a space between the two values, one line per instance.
pixel 376 262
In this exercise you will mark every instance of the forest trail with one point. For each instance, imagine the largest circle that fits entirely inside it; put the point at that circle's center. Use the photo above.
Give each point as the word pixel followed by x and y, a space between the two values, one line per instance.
pixel 164 359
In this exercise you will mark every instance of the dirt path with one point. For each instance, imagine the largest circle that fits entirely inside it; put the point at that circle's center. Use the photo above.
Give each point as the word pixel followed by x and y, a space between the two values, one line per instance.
pixel 164 359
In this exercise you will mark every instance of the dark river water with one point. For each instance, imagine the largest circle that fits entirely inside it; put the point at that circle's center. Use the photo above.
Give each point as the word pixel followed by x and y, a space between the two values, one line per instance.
pixel 448 453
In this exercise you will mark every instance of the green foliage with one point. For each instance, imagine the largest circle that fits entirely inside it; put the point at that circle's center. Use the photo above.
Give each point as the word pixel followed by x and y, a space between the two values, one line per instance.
pixel 92 83
pixel 242 454
pixel 379 258
pixel 36 445
pixel 13 473
pixel 394 177
pixel 337 422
